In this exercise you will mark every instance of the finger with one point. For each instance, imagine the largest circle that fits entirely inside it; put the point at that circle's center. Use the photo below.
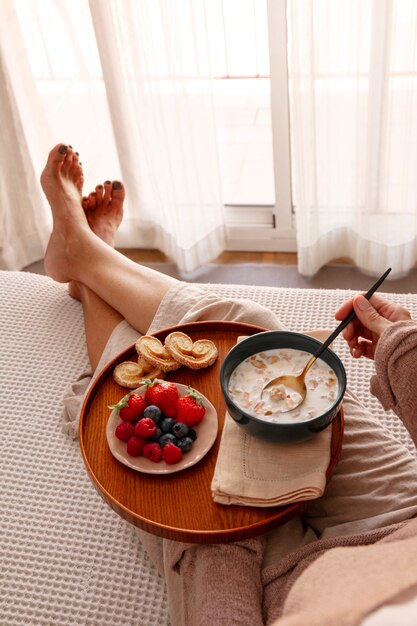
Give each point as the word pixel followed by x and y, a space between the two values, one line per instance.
pixel 367 349
pixel 378 301
pixel 356 352
pixel 353 329
pixel 344 310
pixel 369 316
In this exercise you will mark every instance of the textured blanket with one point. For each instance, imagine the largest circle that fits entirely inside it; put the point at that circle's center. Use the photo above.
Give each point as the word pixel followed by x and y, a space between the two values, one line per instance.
pixel 65 556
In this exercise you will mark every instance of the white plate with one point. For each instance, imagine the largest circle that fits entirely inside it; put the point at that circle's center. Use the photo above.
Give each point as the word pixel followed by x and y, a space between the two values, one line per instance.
pixel 206 435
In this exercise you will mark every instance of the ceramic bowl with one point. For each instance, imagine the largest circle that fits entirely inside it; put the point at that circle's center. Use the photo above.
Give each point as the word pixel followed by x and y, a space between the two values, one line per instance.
pixel 283 432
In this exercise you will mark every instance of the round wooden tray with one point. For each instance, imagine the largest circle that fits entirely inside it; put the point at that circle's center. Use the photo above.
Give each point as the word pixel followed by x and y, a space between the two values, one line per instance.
pixel 178 506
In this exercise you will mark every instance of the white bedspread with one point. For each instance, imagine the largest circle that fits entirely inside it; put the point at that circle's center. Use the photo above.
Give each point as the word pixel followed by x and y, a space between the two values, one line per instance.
pixel 65 557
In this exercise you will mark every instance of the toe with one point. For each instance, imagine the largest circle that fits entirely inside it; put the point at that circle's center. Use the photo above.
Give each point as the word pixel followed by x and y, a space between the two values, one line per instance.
pixel 56 157
pixel 53 167
pixel 107 191
pixel 79 181
pixel 76 172
pixel 67 163
pixel 99 194
pixel 84 203
pixel 92 201
pixel 75 166
pixel 117 192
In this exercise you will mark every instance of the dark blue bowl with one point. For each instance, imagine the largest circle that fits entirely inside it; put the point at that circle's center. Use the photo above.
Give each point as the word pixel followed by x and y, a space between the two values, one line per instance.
pixel 290 431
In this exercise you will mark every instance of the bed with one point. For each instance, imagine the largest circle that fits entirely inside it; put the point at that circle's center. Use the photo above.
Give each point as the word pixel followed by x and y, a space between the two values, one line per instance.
pixel 65 557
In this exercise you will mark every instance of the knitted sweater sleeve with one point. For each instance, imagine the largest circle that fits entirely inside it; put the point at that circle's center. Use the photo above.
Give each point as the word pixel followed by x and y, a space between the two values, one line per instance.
pixel 395 382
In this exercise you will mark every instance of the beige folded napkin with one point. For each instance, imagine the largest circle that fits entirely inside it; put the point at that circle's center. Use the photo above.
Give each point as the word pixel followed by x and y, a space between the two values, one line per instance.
pixel 253 472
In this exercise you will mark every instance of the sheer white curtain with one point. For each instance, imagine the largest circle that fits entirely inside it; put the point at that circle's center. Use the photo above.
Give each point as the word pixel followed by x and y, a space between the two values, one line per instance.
pixel 155 63
pixel 353 92
pixel 126 82
pixel 23 220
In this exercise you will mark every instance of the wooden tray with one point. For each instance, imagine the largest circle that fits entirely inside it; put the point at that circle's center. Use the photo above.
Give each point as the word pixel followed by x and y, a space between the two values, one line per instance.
pixel 178 506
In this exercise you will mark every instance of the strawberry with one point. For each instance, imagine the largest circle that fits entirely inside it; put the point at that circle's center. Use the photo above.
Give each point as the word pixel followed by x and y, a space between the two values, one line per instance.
pixel 145 428
pixel 135 446
pixel 124 431
pixel 163 395
pixel 190 408
pixel 152 451
pixel 171 453
pixel 130 407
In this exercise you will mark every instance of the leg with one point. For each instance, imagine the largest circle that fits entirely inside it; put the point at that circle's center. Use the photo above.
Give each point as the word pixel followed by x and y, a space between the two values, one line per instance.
pixel 373 484
pixel 100 320
pixel 71 246
pixel 104 210
pixel 76 253
pixel 220 584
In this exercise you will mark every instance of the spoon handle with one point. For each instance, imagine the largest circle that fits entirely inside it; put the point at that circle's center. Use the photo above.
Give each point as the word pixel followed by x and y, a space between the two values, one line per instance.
pixel 350 317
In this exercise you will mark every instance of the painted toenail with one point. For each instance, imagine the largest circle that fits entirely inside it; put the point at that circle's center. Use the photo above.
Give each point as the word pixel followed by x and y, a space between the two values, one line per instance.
pixel 63 149
pixel 99 186
pixel 69 146
pixel 77 153
pixel 117 185
pixel 107 182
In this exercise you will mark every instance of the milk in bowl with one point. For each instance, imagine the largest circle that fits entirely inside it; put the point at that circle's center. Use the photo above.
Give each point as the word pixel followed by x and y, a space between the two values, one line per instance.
pixel 253 373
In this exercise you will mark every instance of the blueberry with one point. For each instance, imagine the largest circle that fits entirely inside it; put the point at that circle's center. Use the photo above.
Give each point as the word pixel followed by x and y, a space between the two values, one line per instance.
pixel 167 424
pixel 157 435
pixel 185 443
pixel 192 434
pixel 167 438
pixel 154 413
pixel 180 429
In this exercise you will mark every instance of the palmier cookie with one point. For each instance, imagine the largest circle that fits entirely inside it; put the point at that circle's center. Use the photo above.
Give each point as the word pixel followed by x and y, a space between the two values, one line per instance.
pixel 132 375
pixel 193 354
pixel 150 370
pixel 150 349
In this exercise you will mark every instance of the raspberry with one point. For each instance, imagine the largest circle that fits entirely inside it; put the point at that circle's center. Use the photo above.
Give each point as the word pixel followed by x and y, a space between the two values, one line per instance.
pixel 135 446
pixel 171 454
pixel 152 451
pixel 145 428
pixel 124 431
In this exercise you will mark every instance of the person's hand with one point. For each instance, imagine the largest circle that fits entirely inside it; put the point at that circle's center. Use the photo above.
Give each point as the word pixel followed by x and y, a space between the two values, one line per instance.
pixel 372 318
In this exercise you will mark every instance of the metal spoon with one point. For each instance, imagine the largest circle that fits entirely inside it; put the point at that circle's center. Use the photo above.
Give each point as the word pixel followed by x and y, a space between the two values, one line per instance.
pixel 297 383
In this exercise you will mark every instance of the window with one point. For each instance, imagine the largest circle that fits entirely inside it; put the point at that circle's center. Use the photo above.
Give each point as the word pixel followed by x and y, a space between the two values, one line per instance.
pixel 248 58
pixel 248 52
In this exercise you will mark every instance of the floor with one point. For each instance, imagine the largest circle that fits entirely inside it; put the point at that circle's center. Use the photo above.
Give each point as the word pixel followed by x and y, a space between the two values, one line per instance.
pixel 268 269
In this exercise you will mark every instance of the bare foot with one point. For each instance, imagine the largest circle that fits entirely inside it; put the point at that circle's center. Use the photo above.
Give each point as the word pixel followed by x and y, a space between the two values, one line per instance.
pixel 104 210
pixel 61 182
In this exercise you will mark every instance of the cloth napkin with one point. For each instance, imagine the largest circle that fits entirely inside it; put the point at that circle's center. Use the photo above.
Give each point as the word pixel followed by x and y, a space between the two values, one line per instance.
pixel 253 472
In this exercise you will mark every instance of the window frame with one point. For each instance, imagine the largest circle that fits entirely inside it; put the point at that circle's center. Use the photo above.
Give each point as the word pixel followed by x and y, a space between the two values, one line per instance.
pixel 271 228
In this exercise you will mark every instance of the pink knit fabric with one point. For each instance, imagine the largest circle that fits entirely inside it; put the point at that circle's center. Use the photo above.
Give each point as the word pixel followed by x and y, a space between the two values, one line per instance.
pixel 347 583
pixel 331 581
